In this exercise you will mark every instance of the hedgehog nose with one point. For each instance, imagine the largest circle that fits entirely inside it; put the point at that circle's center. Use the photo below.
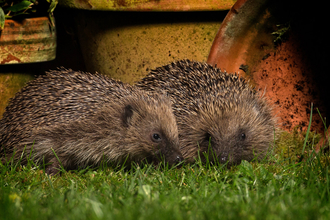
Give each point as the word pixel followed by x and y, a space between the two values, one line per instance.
pixel 223 157
pixel 178 159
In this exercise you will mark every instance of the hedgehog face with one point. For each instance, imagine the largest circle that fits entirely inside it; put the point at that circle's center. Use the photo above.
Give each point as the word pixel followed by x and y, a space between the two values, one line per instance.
pixel 153 128
pixel 219 141
pixel 164 147
pixel 230 141
pixel 228 131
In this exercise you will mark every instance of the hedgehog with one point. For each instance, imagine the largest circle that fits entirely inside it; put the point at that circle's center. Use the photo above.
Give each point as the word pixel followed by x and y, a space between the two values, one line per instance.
pixel 79 119
pixel 220 117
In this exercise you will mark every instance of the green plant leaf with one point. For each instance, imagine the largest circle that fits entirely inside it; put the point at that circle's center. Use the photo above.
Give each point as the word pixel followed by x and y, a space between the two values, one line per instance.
pixel 52 6
pixel 2 19
pixel 23 5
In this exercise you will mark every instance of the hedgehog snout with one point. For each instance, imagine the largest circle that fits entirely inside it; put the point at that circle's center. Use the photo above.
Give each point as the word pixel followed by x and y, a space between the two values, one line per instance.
pixel 178 159
pixel 223 157
pixel 170 153
pixel 175 158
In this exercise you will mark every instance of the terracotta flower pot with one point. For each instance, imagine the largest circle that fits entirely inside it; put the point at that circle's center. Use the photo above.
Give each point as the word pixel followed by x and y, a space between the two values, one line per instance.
pixel 23 41
pixel 281 47
pixel 149 5
pixel 27 41
pixel 125 39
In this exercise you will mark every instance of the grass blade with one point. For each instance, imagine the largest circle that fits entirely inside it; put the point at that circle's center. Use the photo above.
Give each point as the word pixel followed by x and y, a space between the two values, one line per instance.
pixel 308 129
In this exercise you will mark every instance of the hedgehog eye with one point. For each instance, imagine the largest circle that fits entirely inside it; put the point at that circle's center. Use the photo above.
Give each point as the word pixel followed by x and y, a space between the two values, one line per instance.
pixel 156 137
pixel 243 136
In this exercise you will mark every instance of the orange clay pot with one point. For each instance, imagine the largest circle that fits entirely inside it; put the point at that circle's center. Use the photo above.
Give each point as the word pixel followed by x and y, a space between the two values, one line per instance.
pixel 27 41
pixel 282 48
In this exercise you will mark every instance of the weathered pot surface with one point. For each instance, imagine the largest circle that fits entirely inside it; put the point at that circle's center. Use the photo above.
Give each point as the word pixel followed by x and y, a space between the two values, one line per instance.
pixel 23 42
pixel 125 39
pixel 127 45
pixel 149 5
pixel 27 41
pixel 281 50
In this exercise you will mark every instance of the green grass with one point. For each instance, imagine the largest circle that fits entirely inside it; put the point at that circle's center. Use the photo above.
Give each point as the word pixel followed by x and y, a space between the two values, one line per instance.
pixel 293 183
pixel 278 189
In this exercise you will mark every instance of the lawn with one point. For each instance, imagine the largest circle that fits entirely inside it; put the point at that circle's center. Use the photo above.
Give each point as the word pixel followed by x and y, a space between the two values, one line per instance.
pixel 285 186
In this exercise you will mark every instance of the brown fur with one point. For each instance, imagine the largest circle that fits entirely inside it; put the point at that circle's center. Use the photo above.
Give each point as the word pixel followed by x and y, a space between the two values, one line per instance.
pixel 217 108
pixel 86 118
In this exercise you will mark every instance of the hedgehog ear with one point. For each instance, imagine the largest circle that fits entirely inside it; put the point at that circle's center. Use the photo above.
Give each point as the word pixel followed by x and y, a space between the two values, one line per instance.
pixel 127 115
